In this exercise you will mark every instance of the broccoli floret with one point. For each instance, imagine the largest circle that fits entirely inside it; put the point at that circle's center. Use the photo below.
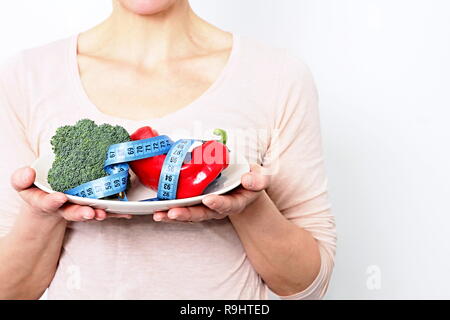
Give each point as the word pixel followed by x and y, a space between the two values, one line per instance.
pixel 80 152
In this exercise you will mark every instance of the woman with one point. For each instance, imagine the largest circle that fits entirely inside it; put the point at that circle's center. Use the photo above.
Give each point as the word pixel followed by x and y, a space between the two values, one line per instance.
pixel 154 62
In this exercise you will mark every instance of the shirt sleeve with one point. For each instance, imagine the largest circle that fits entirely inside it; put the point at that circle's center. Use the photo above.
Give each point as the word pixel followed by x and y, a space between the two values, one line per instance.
pixel 15 149
pixel 294 160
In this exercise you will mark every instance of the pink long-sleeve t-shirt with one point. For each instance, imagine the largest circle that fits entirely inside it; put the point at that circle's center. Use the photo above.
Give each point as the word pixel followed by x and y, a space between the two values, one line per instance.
pixel 267 102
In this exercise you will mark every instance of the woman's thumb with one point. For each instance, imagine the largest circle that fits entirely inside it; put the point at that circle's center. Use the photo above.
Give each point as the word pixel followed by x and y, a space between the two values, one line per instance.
pixel 23 178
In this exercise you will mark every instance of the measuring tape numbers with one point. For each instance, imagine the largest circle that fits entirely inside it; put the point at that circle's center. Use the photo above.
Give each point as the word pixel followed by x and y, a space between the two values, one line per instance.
pixel 170 172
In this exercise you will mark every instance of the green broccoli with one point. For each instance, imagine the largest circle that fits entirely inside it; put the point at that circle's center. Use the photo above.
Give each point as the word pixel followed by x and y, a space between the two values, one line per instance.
pixel 80 152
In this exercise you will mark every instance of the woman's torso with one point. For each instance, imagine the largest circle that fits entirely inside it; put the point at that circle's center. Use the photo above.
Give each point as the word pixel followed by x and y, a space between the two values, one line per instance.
pixel 140 258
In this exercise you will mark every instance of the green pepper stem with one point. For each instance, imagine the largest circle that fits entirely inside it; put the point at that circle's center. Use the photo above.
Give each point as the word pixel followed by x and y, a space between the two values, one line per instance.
pixel 222 135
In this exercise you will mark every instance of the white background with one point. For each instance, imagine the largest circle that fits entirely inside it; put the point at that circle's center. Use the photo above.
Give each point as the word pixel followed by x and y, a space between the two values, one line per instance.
pixel 383 72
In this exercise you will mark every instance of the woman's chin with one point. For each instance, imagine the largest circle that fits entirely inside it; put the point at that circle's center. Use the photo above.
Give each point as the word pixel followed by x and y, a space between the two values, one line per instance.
pixel 147 7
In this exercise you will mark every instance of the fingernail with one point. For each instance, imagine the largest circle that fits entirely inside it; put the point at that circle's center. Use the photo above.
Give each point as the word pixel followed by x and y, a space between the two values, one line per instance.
pixel 156 217
pixel 248 181
pixel 61 198
pixel 172 215
pixel 210 202
pixel 87 216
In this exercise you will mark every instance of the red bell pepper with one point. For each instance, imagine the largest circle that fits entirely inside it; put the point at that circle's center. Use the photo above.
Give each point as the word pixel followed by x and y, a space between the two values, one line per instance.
pixel 207 162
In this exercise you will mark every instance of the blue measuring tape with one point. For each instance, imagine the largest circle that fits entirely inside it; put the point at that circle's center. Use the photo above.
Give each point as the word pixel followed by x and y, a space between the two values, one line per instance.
pixel 137 150
pixel 170 172
pixel 116 167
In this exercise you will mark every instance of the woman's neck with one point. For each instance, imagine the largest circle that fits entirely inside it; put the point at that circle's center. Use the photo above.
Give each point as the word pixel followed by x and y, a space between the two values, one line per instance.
pixel 174 33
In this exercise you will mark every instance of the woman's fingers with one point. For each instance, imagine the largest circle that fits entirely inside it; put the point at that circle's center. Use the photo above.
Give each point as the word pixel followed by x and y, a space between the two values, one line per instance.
pixel 42 201
pixel 232 203
pixel 255 180
pixel 79 213
pixel 252 184
pixel 161 216
pixel 189 214
pixel 216 207
pixel 181 214
pixel 193 214
pixel 51 203
pixel 100 214
pixel 22 180
pixel 74 212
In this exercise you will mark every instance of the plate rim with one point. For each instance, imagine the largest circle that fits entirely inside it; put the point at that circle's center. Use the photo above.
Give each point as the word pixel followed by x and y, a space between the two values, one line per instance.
pixel 136 203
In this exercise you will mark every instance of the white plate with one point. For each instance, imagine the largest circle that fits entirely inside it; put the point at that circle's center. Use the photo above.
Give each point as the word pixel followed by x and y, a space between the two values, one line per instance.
pixel 230 179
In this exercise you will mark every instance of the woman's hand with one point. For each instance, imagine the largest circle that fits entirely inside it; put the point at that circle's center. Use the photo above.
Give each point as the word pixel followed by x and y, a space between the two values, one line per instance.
pixel 221 206
pixel 53 205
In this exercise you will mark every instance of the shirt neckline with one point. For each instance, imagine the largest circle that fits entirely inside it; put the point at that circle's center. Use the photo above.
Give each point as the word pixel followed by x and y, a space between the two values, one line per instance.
pixel 94 111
